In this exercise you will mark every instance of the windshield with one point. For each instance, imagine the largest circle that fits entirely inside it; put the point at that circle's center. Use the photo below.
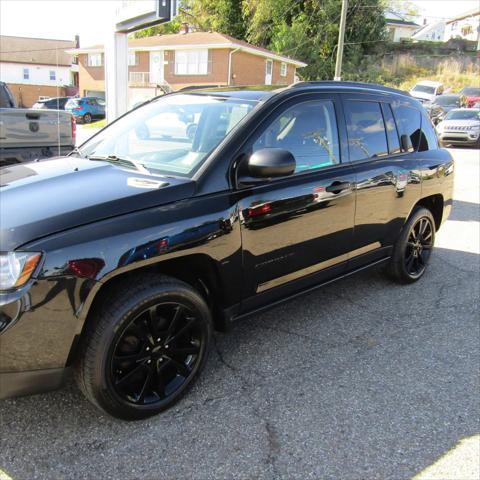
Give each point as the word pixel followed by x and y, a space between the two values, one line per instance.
pixel 447 100
pixel 172 135
pixel 469 114
pixel 424 89
pixel 472 91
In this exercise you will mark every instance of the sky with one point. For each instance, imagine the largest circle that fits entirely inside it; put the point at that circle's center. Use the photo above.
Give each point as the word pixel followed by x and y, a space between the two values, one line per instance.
pixel 62 19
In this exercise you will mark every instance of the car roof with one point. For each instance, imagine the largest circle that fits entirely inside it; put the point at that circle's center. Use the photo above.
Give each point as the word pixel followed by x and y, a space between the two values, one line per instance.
pixel 262 92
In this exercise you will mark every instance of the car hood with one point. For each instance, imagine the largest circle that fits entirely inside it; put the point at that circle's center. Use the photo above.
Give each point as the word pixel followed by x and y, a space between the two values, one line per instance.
pixel 41 198
pixel 460 123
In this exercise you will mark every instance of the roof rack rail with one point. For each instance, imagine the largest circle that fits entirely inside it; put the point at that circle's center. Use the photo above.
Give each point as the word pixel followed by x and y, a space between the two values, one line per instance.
pixel 335 83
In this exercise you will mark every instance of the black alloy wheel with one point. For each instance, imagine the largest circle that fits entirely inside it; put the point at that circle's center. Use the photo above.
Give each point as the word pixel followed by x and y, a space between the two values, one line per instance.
pixel 156 354
pixel 87 118
pixel 419 246
pixel 144 347
pixel 413 248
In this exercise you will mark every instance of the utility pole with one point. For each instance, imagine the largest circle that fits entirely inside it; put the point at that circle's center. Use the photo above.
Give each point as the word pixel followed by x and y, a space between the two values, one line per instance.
pixel 341 35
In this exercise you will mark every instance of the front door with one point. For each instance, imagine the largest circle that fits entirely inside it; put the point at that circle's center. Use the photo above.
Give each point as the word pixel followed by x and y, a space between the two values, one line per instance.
pixel 299 228
pixel 156 67
pixel 268 72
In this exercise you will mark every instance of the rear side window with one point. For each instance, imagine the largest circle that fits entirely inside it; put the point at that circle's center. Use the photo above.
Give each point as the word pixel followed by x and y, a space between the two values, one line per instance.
pixel 392 133
pixel 428 137
pixel 408 123
pixel 366 130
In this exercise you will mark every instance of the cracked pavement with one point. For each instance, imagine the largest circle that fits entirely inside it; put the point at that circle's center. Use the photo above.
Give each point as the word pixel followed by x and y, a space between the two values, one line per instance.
pixel 363 379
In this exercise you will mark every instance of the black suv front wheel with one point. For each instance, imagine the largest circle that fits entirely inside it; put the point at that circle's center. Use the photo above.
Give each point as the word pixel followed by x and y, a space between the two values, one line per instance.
pixel 144 348
pixel 413 248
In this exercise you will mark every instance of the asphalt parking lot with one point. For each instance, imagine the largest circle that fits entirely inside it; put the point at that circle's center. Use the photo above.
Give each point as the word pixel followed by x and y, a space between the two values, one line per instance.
pixel 363 379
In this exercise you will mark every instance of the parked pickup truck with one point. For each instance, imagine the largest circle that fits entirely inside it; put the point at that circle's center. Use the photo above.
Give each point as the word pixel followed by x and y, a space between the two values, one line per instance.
pixel 27 134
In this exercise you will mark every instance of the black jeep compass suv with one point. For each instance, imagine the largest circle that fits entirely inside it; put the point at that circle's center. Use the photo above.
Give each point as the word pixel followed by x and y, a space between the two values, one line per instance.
pixel 118 261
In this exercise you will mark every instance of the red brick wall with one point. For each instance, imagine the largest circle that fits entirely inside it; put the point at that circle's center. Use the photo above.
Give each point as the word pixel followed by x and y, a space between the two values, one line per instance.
pixel 27 95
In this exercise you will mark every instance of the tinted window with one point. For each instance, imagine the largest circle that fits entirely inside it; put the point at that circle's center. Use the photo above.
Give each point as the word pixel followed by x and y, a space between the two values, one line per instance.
pixel 408 123
pixel 428 138
pixel 309 131
pixel 392 134
pixel 474 92
pixel 447 100
pixel 366 130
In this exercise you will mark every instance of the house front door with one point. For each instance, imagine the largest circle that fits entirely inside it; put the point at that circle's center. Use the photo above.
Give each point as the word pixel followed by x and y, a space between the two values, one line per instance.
pixel 156 67
pixel 268 72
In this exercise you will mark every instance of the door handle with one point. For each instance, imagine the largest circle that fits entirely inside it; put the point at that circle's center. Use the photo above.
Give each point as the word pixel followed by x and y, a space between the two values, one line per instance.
pixel 337 187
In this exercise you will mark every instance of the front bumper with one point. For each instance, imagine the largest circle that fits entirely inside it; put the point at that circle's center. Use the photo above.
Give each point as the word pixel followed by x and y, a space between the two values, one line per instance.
pixel 40 325
pixel 459 138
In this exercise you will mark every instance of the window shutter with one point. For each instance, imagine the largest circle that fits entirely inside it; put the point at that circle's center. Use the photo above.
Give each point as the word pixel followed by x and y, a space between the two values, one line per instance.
pixel 210 62
pixel 170 57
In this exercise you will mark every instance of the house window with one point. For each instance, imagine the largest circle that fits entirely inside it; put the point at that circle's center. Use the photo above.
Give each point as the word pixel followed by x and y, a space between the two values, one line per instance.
pixel 95 60
pixel 132 59
pixel 26 74
pixel 283 69
pixel 191 62
pixel 52 75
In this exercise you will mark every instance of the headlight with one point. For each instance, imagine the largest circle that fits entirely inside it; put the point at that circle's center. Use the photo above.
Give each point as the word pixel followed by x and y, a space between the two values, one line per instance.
pixel 16 268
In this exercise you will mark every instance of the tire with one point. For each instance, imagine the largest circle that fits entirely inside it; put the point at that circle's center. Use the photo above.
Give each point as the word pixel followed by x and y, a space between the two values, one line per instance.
pixel 87 118
pixel 144 348
pixel 413 248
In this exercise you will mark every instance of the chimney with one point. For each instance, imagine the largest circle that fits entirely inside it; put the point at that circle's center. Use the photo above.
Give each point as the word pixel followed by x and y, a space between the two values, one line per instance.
pixel 77 41
pixel 424 21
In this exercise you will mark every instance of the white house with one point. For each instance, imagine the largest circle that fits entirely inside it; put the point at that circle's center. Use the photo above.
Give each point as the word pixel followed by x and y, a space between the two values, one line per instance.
pixel 37 67
pixel 399 28
pixel 466 26
pixel 431 32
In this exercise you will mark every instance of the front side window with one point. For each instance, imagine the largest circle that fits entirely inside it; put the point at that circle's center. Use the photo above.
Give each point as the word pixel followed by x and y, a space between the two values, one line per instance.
pixel 172 135
pixel 95 60
pixel 191 62
pixel 52 75
pixel 308 130
pixel 366 130
pixel 26 74
pixel 408 122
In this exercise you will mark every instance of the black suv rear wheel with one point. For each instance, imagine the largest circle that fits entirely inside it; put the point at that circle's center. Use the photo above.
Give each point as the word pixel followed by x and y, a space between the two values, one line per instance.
pixel 144 348
pixel 413 248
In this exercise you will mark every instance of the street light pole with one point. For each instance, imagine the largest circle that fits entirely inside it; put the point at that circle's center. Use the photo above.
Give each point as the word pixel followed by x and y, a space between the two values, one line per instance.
pixel 341 35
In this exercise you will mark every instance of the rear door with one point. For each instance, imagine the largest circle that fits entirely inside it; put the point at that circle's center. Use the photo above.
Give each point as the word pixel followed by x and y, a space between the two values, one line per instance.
pixel 387 184
pixel 298 229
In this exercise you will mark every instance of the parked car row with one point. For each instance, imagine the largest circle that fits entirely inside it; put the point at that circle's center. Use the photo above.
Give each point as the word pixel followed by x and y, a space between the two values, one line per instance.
pixel 84 109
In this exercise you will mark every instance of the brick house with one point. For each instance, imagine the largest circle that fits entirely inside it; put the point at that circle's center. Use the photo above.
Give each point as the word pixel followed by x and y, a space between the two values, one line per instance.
pixel 37 67
pixel 176 61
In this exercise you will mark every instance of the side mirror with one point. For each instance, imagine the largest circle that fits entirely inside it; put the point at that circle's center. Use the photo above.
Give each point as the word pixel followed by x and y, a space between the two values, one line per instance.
pixel 405 143
pixel 271 162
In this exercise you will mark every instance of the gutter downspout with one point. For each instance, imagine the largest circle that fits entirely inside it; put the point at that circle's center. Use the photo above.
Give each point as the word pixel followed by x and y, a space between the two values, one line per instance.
pixel 230 64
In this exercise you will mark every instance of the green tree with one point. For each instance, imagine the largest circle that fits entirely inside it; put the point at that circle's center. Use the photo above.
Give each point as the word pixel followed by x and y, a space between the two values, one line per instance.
pixel 224 16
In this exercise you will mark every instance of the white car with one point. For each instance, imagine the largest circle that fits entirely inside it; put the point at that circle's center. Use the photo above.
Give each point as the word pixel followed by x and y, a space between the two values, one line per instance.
pixel 461 126
pixel 426 90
